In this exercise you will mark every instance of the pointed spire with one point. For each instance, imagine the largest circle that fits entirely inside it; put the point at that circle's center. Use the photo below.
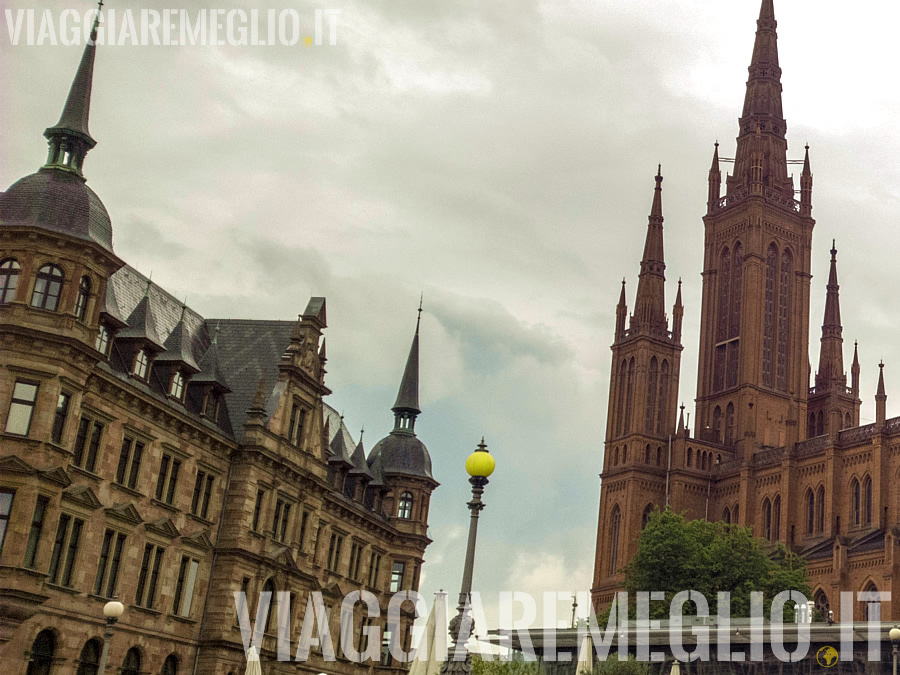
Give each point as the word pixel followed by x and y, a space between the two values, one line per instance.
pixel 715 182
pixel 359 460
pixel 621 312
pixel 677 315
pixel 806 169
pixel 70 140
pixel 880 391
pixel 880 397
pixel 806 186
pixel 649 303
pixel 622 302
pixel 322 354
pixel 831 357
pixel 715 161
pixel 142 324
pixel 681 420
pixel 407 404
pixel 854 371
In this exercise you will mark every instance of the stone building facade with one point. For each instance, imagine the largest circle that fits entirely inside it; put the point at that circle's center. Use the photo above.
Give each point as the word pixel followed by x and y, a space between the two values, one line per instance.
pixel 170 460
pixel 771 447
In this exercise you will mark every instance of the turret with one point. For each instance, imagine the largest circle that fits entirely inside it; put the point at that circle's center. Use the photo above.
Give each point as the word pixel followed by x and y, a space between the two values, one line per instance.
pixel 621 313
pixel 831 358
pixel 715 181
pixel 854 371
pixel 677 316
pixel 880 398
pixel 649 303
pixel 806 184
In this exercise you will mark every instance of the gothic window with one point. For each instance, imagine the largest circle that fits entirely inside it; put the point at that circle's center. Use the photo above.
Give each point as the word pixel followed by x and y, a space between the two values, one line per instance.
pixel 616 458
pixel 769 317
pixel 784 301
pixel 810 512
pixel 729 425
pixel 132 663
pixel 867 501
pixel 659 457
pixel 767 519
pixel 663 397
pixel 647 454
pixel 651 395
pixel 629 396
pixel 615 523
pixel 736 290
pixel 84 292
pixel 855 503
pixel 9 280
pixel 269 587
pixel 47 286
pixel 735 514
pixel 170 665
pixel 719 367
pixel 42 650
pixel 848 422
pixel 624 454
pixel 726 516
pixel 89 660
pixel 404 511
pixel 811 427
pixel 776 518
pixel 732 352
pixel 690 456
pixel 724 286
pixel 820 424
pixel 871 607
pixel 821 603
pixel 620 409
pixel 645 517
pixel 820 509
pixel 717 424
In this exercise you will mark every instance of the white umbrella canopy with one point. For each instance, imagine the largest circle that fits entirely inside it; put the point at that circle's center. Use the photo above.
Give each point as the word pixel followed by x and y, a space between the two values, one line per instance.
pixel 432 650
pixel 676 669
pixel 253 667
pixel 585 656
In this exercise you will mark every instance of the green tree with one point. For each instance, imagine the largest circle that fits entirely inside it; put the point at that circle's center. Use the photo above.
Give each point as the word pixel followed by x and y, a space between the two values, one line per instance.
pixel 626 666
pixel 675 554
pixel 496 667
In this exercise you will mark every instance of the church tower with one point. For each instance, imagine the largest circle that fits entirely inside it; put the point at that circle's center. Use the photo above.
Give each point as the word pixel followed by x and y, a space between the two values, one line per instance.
pixel 753 380
pixel 642 406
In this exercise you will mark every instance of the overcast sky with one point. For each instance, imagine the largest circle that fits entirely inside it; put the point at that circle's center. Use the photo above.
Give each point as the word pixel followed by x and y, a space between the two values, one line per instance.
pixel 498 156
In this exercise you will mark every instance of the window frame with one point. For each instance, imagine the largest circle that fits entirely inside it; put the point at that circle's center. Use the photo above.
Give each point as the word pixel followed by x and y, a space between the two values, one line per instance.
pixel 6 517
pixel 148 577
pixel 109 561
pixel 10 272
pixel 81 299
pixel 167 478
pixel 35 532
pixel 66 542
pixel 48 283
pixel 15 403
pixel 128 467
pixel 405 506
pixel 398 572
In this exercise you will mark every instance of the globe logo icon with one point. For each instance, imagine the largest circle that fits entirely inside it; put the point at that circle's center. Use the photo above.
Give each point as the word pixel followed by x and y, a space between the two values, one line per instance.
pixel 827 656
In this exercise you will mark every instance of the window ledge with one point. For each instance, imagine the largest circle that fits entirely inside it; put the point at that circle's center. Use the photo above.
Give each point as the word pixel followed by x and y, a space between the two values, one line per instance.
pixel 164 505
pixel 64 589
pixel 146 610
pixel 182 619
pixel 208 523
pixel 126 489
pixel 85 472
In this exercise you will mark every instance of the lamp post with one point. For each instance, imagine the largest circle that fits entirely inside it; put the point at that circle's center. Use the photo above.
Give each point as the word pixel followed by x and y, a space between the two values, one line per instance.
pixel 895 639
pixel 112 610
pixel 479 466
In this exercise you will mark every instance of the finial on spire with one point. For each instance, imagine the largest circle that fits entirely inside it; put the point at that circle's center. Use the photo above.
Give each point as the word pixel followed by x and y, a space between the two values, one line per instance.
pixel 419 318
pixel 216 335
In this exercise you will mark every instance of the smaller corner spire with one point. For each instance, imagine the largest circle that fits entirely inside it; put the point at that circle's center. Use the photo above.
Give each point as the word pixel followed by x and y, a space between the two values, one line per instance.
pixel 681 420
pixel 767 10
pixel 622 302
pixel 656 209
pixel 406 407
pixel 806 169
pixel 880 391
pixel 714 168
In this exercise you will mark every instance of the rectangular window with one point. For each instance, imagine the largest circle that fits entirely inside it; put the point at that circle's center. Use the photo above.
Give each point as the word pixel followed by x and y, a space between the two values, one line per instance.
pixel 37 529
pixel 129 462
pixel 374 568
pixel 257 509
pixel 168 478
pixel 397 576
pixel 363 641
pixel 203 486
pixel 303 521
pixel 102 343
pixel 141 365
pixel 21 408
pixel 87 443
pixel 6 501
pixel 280 522
pixel 184 588
pixel 59 418
pixel 386 648
pixel 149 576
pixel 298 417
pixel 177 388
pixel 242 600
pixel 65 549
pixel 355 557
pixel 334 551
pixel 207 494
pixel 108 564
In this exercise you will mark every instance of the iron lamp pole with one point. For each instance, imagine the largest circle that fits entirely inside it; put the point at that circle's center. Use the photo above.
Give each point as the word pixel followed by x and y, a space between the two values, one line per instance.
pixel 479 466
pixel 112 610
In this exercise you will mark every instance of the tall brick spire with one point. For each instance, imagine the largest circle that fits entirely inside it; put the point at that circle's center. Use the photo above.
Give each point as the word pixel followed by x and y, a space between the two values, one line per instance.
pixel 649 304
pixel 831 356
pixel 762 115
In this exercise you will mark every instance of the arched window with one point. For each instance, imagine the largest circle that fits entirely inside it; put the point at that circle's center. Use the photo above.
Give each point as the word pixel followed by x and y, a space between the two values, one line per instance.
pixel 616 458
pixel 170 665
pixel 811 427
pixel 9 280
pixel 855 502
pixel 871 607
pixel 623 371
pixel 615 523
pixel 717 424
pixel 663 404
pixel 848 421
pixel 820 509
pixel 810 512
pixel 629 396
pixel 651 395
pixel 645 516
pixel 624 454
pixel 404 510
pixel 81 301
pixel 867 501
pixel 784 324
pixel 820 424
pixel 42 650
pixel 647 454
pixel 729 425
pixel 726 515
pixel 132 663
pixel 821 603
pixel 776 518
pixel 724 286
pixel 141 364
pixel 659 457
pixel 703 462
pixel 767 519
pixel 736 291
pixel 47 286
pixel 768 362
pixel 690 456
pixel 736 514
pixel 89 660
pixel 269 587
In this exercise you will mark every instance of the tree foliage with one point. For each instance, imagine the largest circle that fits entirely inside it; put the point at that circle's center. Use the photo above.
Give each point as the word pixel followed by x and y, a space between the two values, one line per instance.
pixel 497 667
pixel 625 666
pixel 675 554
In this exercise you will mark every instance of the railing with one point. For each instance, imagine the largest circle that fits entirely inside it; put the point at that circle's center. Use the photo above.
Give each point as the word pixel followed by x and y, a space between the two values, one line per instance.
pixel 837 390
pixel 857 434
pixel 727 466
pixel 892 425
pixel 772 196
pixel 730 200
pixel 767 457
pixel 777 198
pixel 810 446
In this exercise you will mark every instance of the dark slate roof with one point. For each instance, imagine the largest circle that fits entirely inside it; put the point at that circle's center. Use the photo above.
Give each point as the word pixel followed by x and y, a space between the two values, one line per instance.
pixel 58 201
pixel 402 453
pixel 248 351
pixel 77 109
pixel 340 452
pixel 408 396
pixel 142 324
pixel 178 348
pixel 873 541
pixel 111 309
pixel 819 551
pixel 359 461
pixel 336 425
pixel 211 369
